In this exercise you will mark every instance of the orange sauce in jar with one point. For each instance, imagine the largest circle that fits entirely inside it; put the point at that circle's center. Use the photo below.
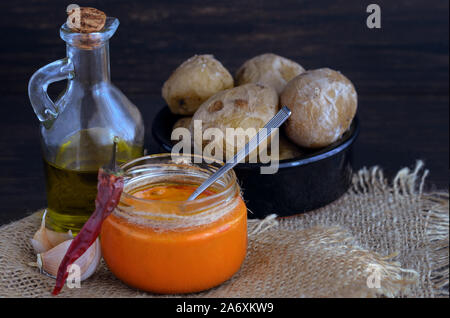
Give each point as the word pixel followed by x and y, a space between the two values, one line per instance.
pixel 158 242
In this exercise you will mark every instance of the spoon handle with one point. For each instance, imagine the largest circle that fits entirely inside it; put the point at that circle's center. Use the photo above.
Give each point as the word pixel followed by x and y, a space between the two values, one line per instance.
pixel 262 135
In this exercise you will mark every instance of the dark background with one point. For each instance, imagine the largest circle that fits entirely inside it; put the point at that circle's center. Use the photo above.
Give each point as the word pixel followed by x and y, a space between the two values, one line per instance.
pixel 400 71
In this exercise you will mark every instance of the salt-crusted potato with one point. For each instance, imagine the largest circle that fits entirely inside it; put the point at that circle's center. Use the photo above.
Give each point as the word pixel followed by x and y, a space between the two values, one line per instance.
pixel 182 122
pixel 246 106
pixel 193 82
pixel 323 103
pixel 268 69
pixel 286 149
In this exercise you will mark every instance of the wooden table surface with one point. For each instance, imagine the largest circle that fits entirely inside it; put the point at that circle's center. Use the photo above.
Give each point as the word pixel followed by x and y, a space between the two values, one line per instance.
pixel 401 71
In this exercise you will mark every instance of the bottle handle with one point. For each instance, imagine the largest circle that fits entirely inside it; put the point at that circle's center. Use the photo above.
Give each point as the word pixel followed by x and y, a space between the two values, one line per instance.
pixel 43 106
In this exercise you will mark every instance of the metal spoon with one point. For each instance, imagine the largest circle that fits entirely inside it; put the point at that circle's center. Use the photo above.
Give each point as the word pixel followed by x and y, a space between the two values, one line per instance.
pixel 275 122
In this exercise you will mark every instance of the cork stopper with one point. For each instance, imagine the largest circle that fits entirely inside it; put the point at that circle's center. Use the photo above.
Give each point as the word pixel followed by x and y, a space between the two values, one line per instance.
pixel 87 28
pixel 85 19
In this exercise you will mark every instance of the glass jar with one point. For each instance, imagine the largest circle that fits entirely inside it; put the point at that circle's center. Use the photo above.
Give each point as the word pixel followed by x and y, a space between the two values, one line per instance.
pixel 175 246
pixel 78 129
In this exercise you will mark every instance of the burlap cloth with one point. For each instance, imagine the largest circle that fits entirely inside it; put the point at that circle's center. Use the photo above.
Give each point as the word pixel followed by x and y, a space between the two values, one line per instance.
pixel 378 232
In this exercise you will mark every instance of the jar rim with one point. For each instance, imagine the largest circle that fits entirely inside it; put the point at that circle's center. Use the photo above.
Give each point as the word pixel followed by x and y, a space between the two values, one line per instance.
pixel 228 190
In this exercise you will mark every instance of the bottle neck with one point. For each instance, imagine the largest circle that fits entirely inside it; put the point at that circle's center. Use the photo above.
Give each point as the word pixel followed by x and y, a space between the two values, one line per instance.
pixel 90 66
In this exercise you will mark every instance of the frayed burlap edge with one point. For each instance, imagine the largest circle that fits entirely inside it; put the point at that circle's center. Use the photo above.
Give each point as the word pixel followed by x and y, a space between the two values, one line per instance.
pixel 437 217
pixel 434 209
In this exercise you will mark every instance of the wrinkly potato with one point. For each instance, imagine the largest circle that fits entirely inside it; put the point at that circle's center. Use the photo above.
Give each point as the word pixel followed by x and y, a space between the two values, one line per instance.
pixel 268 69
pixel 193 82
pixel 246 106
pixel 286 149
pixel 323 103
pixel 182 122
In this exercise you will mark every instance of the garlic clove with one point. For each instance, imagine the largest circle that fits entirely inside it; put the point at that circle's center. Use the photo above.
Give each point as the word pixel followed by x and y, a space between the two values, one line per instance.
pixel 49 261
pixel 39 245
pixel 93 264
pixel 40 240
pixel 56 238
pixel 45 239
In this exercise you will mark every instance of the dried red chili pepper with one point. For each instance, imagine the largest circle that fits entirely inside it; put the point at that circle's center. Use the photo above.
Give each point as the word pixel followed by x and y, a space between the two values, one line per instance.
pixel 109 189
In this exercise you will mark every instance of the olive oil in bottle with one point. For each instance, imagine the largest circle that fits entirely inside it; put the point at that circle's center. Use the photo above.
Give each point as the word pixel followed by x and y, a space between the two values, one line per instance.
pixel 71 181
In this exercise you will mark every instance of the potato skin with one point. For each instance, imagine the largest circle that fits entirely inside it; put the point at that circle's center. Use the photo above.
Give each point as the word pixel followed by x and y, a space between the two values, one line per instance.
pixel 286 149
pixel 323 103
pixel 183 122
pixel 193 82
pixel 247 106
pixel 268 69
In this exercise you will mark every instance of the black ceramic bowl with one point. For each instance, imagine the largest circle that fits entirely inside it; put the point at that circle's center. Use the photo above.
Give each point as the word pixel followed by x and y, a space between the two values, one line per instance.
pixel 302 184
